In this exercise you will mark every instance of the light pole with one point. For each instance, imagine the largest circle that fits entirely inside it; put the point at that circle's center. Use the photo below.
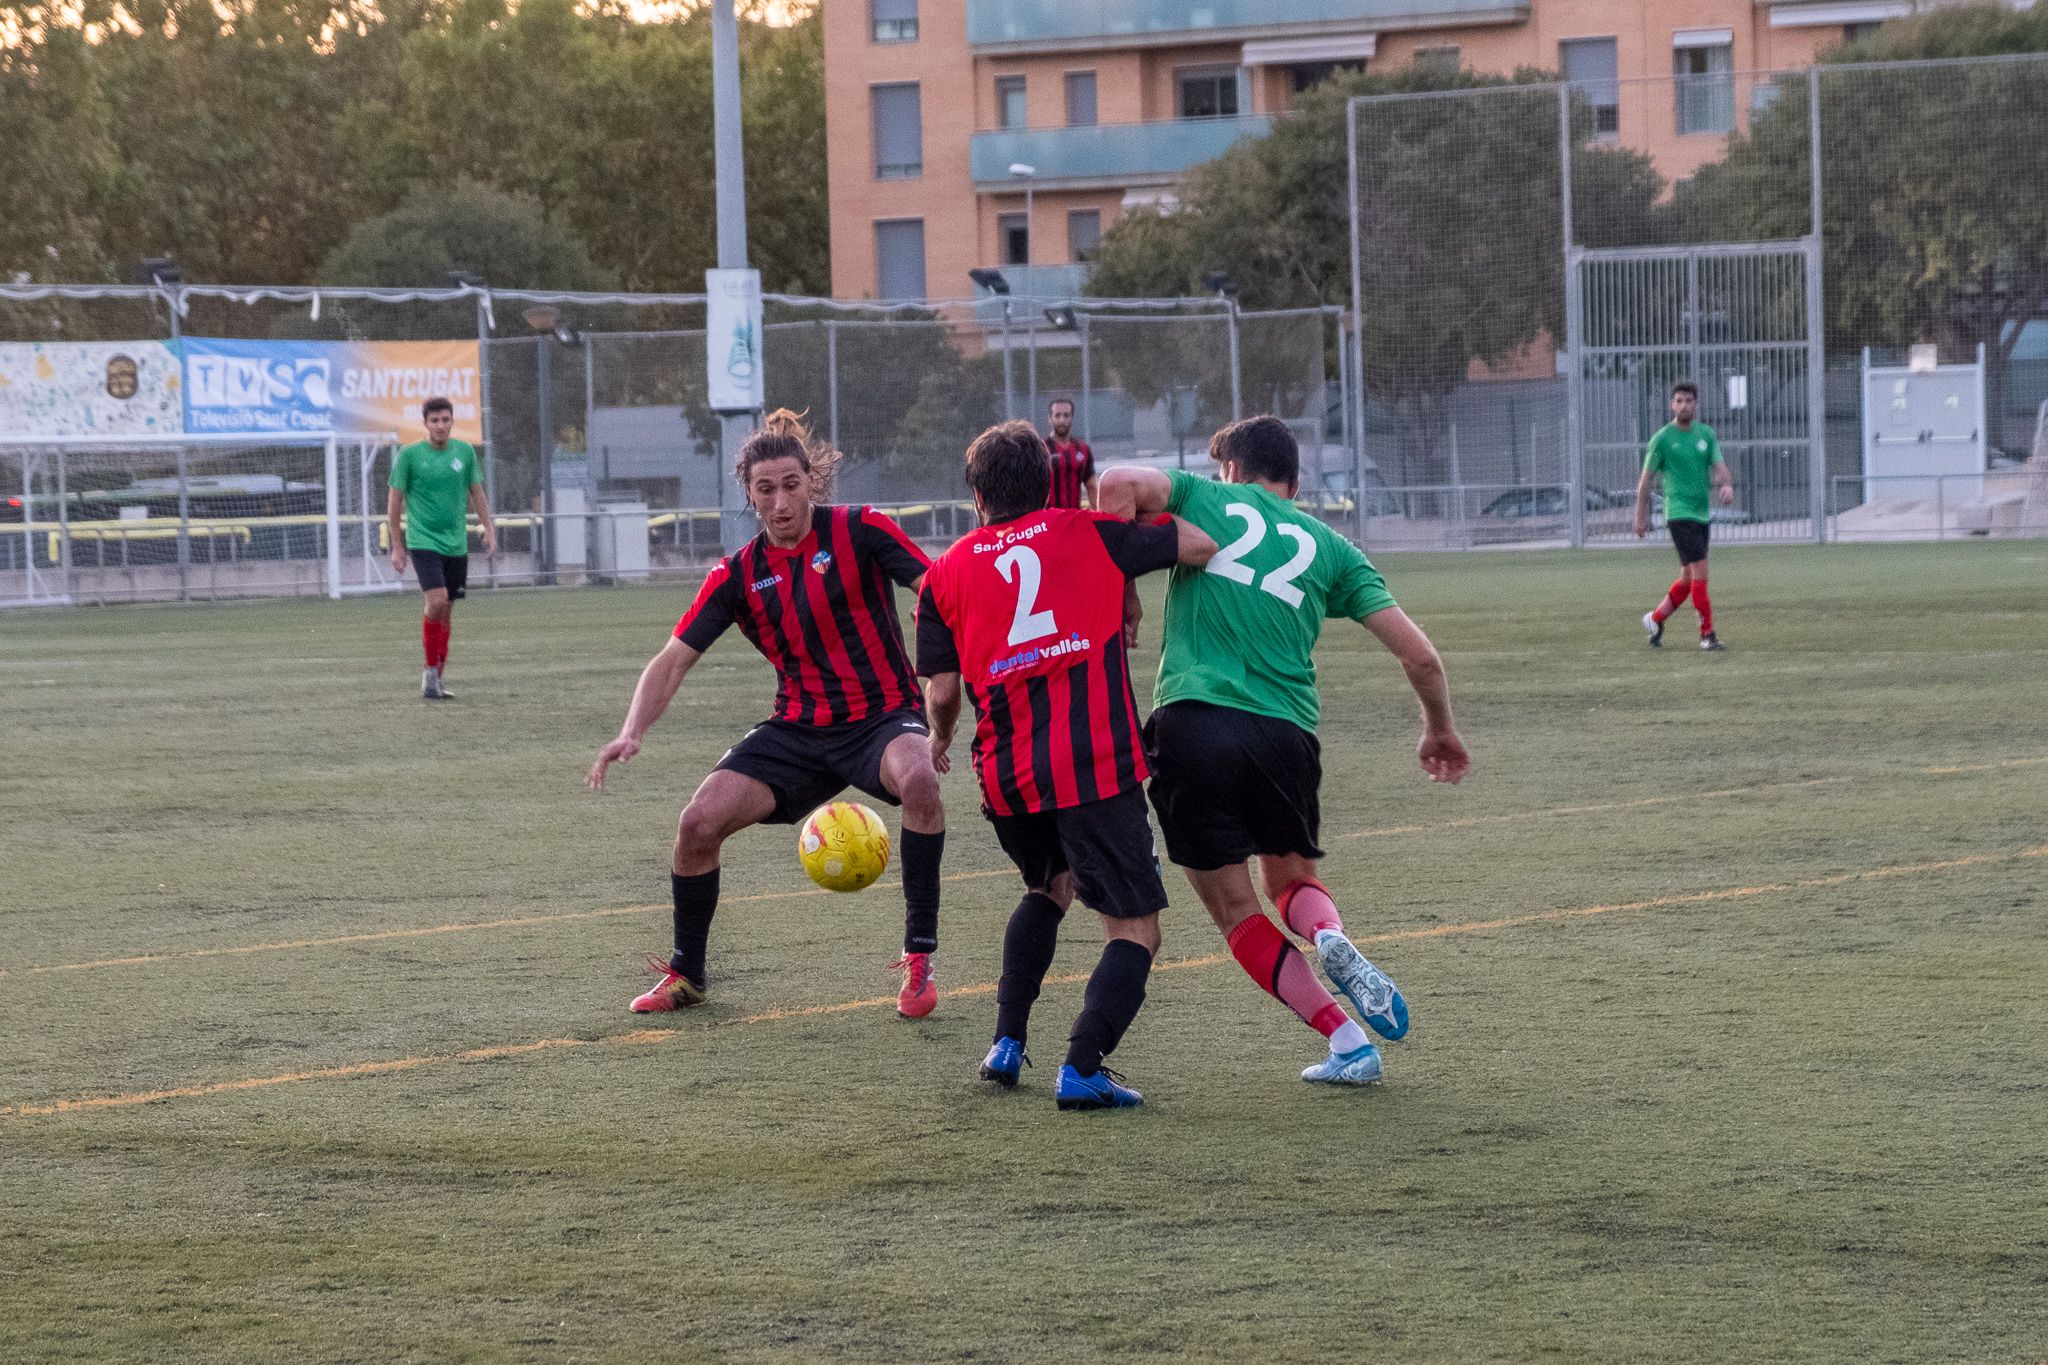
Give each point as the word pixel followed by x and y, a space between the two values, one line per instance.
pixel 1029 175
pixel 729 171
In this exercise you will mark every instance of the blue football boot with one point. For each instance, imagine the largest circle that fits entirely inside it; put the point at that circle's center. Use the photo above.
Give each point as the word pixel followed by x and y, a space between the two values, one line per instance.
pixel 1004 1062
pixel 1371 991
pixel 1099 1091
pixel 1347 1068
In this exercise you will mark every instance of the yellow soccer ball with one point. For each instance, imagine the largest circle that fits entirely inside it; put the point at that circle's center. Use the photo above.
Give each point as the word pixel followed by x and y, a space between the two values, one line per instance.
pixel 844 846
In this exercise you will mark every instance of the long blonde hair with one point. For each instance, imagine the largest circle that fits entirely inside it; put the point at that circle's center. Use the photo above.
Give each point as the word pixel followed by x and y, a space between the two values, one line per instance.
pixel 784 436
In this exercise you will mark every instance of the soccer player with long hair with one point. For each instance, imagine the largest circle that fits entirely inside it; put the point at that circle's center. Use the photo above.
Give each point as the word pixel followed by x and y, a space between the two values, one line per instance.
pixel 1236 767
pixel 1026 614
pixel 813 592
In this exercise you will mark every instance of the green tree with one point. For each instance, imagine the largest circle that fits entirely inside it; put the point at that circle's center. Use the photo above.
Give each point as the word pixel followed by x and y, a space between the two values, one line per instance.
pixel 465 226
pixel 1460 238
pixel 1935 210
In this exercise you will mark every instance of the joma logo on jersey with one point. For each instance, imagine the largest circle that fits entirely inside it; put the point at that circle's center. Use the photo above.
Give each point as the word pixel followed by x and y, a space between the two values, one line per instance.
pixel 764 584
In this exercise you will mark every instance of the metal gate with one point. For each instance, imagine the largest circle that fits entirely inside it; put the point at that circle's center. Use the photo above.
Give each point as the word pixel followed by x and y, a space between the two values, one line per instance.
pixel 1742 322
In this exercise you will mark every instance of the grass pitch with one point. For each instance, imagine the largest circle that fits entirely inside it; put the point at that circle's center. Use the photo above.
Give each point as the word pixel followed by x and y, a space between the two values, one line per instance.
pixel 1727 976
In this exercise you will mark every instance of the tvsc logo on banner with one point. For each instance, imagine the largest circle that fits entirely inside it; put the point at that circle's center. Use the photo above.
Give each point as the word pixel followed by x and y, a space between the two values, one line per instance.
pixel 261 387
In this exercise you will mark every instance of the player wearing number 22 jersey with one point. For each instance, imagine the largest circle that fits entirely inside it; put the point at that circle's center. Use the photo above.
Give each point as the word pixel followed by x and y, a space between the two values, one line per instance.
pixel 1026 615
pixel 1236 767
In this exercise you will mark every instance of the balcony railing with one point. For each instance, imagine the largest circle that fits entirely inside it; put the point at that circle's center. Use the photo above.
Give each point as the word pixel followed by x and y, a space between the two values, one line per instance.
pixel 1110 154
pixel 995 23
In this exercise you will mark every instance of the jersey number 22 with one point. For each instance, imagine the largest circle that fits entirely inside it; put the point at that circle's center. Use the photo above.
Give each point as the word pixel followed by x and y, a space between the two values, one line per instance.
pixel 1280 582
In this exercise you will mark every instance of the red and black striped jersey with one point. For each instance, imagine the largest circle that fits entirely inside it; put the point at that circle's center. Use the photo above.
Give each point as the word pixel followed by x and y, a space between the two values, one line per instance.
pixel 823 612
pixel 1073 464
pixel 1030 613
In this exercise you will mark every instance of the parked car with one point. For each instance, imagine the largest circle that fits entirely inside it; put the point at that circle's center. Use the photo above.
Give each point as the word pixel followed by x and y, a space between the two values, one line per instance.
pixel 1545 501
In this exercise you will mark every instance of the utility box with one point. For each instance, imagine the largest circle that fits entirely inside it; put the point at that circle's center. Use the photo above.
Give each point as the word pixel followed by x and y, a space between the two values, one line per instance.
pixel 571 532
pixel 1924 431
pixel 619 542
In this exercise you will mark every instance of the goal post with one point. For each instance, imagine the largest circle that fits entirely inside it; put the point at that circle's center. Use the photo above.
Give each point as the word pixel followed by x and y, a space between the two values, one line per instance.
pixel 191 517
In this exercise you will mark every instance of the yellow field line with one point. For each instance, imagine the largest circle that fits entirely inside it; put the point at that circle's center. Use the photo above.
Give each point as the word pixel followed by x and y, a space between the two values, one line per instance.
pixel 644 1037
pixel 574 916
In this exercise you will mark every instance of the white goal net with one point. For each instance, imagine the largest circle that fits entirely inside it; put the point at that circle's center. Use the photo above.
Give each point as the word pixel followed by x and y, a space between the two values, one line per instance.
pixel 183 518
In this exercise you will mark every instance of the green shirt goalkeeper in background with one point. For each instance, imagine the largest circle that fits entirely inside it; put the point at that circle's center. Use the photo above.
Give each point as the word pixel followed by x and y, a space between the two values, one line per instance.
pixel 435 484
pixel 1236 767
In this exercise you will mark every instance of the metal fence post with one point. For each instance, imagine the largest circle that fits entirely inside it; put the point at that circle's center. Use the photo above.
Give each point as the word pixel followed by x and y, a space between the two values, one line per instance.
pixel 1087 413
pixel 184 528
pixel 1816 325
pixel 832 380
pixel 1236 370
pixel 1031 368
pixel 1009 380
pixel 1575 433
pixel 483 380
pixel 1355 385
pixel 63 522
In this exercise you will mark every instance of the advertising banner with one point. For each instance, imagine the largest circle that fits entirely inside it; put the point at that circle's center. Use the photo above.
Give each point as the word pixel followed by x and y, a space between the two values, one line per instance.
pixel 90 388
pixel 732 339
pixel 290 386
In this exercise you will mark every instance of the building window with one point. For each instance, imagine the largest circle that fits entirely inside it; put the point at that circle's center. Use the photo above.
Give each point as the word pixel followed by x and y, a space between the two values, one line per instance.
pixel 1206 92
pixel 1084 234
pixel 1592 67
pixel 1856 33
pixel 1013 238
pixel 1441 58
pixel 1706 87
pixel 1010 109
pixel 899 259
pixel 1304 75
pixel 1080 99
pixel 899 132
pixel 894 21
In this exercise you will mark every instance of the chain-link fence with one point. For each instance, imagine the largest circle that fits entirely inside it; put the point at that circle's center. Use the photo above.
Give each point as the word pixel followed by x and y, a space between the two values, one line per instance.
pixel 1538 265
pixel 600 454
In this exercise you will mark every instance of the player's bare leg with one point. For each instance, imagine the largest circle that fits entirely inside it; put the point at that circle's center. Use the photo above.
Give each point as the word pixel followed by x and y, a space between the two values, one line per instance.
pixel 908 774
pixel 726 803
pixel 437 614
pixel 1116 990
pixel 1311 912
pixel 1029 941
pixel 1281 971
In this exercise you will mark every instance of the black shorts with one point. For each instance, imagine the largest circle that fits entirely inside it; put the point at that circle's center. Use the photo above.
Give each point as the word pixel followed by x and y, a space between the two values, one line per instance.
pixel 437 570
pixel 807 765
pixel 1230 783
pixel 1691 539
pixel 1106 844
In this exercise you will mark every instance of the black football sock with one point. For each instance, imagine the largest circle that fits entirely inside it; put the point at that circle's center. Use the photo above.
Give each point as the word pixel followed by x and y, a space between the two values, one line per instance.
pixel 696 901
pixel 1028 946
pixel 1115 991
pixel 921 890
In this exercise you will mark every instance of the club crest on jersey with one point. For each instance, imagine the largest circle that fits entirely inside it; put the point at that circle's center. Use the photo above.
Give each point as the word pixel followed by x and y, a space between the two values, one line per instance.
pixel 821 561
pixel 1703 444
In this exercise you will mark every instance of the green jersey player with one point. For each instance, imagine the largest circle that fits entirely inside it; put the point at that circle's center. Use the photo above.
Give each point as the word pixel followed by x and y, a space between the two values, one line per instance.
pixel 1235 763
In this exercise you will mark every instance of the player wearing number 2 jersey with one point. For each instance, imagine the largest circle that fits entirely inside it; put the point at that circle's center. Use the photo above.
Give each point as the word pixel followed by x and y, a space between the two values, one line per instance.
pixel 1235 763
pixel 1027 614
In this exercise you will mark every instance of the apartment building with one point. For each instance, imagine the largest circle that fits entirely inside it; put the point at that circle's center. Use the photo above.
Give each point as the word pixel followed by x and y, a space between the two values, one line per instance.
pixel 1012 134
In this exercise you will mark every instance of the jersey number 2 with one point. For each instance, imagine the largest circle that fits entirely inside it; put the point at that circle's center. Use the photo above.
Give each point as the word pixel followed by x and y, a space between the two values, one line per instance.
pixel 1280 582
pixel 1019 565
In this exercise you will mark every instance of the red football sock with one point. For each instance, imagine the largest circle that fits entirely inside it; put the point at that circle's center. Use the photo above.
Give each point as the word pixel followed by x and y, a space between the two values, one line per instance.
pixel 1281 971
pixel 1674 599
pixel 427 639
pixel 1309 909
pixel 441 653
pixel 1704 607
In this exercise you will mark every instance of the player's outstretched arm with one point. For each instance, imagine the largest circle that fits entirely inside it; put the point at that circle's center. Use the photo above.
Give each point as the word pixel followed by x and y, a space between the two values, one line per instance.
pixel 480 503
pixel 1643 503
pixel 394 521
pixel 656 689
pixel 942 711
pixel 1130 491
pixel 1441 753
pixel 1197 547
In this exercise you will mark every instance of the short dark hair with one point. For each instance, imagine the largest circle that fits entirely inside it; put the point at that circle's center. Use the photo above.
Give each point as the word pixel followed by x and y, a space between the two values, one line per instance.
pixel 1059 400
pixel 434 405
pixel 1008 466
pixel 1263 445
pixel 1685 386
